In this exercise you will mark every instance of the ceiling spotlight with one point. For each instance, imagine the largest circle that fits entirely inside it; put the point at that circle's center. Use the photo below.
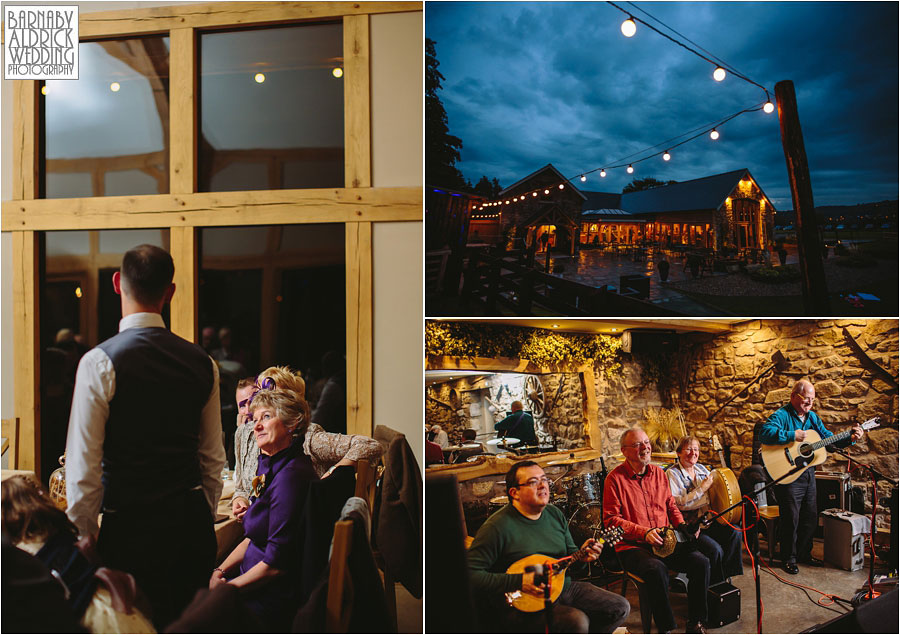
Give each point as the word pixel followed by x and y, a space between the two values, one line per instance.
pixel 630 169
pixel 602 173
pixel 629 28
pixel 259 78
pixel 714 134
pixel 769 108
pixel 338 72
pixel 583 178
pixel 719 74
pixel 666 155
pixel 114 87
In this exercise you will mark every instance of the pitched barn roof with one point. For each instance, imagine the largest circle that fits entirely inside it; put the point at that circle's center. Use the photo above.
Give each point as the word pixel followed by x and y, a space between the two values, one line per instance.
pixel 558 177
pixel 706 193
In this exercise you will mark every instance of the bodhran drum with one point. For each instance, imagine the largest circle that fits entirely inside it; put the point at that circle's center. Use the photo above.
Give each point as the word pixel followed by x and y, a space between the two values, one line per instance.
pixel 497 503
pixel 498 445
pixel 724 493
pixel 586 518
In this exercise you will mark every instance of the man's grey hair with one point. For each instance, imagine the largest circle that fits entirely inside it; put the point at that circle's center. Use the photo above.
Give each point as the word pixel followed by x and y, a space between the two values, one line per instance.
pixel 627 433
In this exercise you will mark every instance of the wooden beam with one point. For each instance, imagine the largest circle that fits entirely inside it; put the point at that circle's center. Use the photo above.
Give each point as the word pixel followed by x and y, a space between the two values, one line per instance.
pixel 25 139
pixel 491 464
pixel 220 14
pixel 26 353
pixel 590 411
pixel 184 303
pixel 359 328
pixel 357 106
pixel 183 122
pixel 216 209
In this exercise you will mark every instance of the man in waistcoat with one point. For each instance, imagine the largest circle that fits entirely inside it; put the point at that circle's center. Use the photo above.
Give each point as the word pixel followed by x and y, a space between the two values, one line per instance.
pixel 145 444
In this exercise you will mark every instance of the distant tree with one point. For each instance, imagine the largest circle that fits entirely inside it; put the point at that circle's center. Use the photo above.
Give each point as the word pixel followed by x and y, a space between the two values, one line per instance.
pixel 441 148
pixel 488 189
pixel 649 183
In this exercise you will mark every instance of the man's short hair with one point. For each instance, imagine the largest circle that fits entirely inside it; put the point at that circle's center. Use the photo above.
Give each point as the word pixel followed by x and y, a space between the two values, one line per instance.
pixel 469 434
pixel 626 433
pixel 512 475
pixel 245 383
pixel 147 272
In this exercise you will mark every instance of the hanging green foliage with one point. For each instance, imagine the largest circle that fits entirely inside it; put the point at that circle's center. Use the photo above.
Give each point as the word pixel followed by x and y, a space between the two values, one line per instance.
pixel 541 346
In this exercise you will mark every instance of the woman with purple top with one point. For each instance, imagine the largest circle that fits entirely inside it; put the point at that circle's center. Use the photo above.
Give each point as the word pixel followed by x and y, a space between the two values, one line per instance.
pixel 266 565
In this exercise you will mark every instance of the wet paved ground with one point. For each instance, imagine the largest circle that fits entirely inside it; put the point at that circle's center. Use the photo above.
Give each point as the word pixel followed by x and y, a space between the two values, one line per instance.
pixel 598 268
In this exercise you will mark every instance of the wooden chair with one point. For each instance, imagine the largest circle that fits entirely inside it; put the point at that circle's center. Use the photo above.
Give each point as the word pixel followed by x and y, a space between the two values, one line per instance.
pixel 768 514
pixel 10 432
pixel 366 477
pixel 337 605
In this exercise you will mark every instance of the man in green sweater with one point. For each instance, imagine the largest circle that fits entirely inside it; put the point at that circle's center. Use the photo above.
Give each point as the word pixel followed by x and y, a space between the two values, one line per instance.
pixel 529 525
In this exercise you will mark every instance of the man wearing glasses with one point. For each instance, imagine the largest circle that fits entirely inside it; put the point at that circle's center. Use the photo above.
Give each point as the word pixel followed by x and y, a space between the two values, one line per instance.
pixel 797 500
pixel 637 498
pixel 529 525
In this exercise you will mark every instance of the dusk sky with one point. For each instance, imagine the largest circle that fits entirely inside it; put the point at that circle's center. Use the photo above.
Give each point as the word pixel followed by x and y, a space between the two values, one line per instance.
pixel 528 84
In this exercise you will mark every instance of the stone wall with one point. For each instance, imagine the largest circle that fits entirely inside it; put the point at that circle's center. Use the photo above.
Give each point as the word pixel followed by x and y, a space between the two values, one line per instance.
pixel 621 402
pixel 849 389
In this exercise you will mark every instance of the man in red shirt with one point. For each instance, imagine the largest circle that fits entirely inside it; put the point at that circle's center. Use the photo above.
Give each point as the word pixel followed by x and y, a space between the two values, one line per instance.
pixel 637 498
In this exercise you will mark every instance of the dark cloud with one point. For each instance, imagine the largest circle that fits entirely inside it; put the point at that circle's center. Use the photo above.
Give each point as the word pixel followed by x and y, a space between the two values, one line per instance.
pixel 534 83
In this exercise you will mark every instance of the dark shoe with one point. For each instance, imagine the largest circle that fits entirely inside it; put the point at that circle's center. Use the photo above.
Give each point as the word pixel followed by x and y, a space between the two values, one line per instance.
pixel 695 627
pixel 791 567
pixel 812 562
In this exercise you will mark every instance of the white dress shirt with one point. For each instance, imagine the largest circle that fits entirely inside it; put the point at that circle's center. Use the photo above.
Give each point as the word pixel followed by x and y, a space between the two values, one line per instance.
pixel 95 386
pixel 687 492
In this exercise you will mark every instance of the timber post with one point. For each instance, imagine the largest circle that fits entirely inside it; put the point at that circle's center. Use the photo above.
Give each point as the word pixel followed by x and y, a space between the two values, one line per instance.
pixel 812 271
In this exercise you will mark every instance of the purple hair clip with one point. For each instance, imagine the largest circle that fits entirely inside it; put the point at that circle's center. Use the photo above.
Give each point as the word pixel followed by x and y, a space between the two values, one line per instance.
pixel 267 384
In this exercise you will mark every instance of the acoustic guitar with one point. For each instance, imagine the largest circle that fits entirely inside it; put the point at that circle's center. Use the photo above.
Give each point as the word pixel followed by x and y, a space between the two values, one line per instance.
pixel 781 459
pixel 528 603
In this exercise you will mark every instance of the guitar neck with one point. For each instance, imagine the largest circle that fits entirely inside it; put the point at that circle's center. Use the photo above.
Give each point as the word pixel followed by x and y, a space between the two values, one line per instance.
pixel 840 436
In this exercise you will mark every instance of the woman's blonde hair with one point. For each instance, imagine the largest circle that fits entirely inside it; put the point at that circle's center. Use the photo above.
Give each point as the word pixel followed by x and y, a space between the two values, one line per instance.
pixel 284 378
pixel 28 513
pixel 289 406
pixel 683 441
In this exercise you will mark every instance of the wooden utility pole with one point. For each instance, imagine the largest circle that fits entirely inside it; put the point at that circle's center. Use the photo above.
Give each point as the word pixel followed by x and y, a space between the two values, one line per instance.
pixel 812 271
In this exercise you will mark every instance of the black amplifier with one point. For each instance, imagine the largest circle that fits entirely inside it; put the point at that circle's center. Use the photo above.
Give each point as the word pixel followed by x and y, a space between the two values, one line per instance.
pixel 832 492
pixel 724 604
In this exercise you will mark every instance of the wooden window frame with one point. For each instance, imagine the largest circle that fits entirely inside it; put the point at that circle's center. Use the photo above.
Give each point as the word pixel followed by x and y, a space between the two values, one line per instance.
pixel 185 211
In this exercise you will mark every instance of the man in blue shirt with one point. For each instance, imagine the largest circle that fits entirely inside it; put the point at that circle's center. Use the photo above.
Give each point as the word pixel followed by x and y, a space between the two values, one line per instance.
pixel 797 500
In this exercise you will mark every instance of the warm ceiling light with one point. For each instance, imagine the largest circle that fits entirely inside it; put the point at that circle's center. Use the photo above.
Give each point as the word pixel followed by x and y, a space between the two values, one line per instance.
pixel 556 326
pixel 769 108
pixel 259 78
pixel 719 74
pixel 714 134
pixel 614 330
pixel 338 72
pixel 114 87
pixel 629 28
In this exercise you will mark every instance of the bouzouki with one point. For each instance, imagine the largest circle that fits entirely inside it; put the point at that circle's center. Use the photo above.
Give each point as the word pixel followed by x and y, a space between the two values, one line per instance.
pixel 781 459
pixel 529 603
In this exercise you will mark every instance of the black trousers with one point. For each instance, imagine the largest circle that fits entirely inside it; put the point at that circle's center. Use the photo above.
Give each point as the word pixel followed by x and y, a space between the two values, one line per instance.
pixel 654 572
pixel 797 515
pixel 169 549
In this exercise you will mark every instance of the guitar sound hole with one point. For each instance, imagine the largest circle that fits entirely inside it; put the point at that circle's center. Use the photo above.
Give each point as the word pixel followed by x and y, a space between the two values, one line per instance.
pixel 804 450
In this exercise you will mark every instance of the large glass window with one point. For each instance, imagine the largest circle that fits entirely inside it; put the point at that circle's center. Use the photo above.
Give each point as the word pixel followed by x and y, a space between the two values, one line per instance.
pixel 107 133
pixel 275 295
pixel 271 108
pixel 79 309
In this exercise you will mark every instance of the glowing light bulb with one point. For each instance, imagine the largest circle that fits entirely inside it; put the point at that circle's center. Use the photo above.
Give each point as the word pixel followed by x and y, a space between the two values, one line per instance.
pixel 546 191
pixel 534 193
pixel 602 173
pixel 719 74
pixel 561 186
pixel 338 72
pixel 583 178
pixel 507 203
pixel 259 78
pixel 78 292
pixel 114 87
pixel 769 108
pixel 629 28
pixel 522 198
pixel 714 134
pixel 43 90
pixel 666 156
pixel 630 169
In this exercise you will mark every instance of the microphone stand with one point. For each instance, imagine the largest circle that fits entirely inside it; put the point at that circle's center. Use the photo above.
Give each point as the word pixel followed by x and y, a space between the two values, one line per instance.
pixel 875 476
pixel 715 516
